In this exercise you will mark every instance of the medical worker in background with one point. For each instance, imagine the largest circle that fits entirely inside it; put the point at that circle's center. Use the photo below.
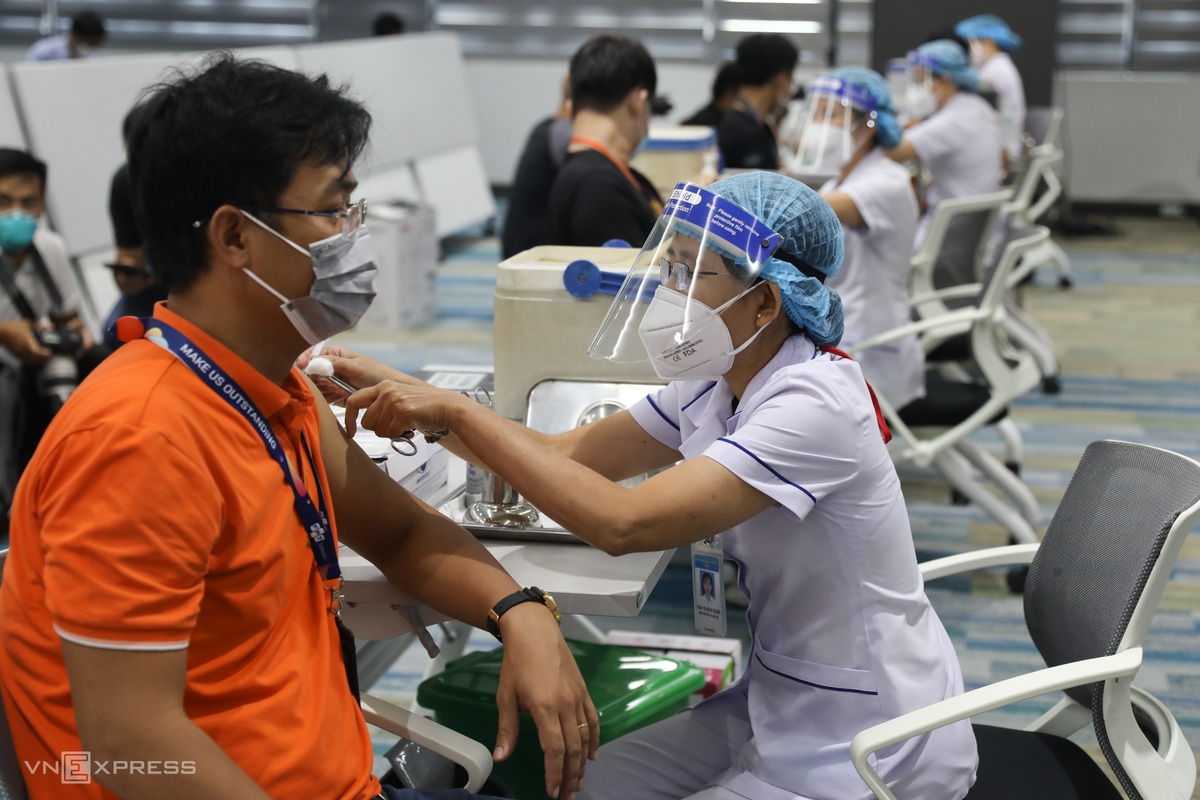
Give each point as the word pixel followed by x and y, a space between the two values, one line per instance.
pixel 784 459
pixel 958 136
pixel 992 42
pixel 849 124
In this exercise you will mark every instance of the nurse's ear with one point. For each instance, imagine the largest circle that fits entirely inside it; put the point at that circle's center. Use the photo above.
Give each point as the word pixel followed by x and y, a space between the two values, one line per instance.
pixel 770 304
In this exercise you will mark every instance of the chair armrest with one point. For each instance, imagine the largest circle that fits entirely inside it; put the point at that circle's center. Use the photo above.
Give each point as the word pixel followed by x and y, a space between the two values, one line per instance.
pixel 977 559
pixel 964 315
pixel 985 698
pixel 462 750
pixel 965 290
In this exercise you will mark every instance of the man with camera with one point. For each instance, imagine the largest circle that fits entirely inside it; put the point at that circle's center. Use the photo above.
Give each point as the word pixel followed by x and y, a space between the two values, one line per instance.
pixel 45 349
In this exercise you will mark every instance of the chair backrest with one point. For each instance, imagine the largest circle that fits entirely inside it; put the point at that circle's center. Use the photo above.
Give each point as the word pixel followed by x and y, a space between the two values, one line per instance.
pixel 1100 572
pixel 954 247
pixel 12 783
pixel 1042 161
pixel 1042 123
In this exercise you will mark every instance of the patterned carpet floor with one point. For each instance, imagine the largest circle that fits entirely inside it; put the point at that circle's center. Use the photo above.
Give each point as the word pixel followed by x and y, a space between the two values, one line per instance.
pixel 1129 348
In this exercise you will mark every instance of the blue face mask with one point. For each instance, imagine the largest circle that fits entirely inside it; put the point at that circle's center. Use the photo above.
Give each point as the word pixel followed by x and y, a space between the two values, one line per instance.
pixel 16 230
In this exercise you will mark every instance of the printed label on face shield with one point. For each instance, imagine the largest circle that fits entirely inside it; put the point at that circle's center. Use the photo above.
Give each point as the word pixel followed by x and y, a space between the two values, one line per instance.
pixel 708 590
pixel 733 228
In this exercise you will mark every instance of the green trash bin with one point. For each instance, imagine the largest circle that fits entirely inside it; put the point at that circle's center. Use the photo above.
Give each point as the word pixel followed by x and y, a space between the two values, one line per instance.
pixel 630 690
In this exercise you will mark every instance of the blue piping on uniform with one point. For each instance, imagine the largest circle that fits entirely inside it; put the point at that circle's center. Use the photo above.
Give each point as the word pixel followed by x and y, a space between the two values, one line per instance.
pixel 660 413
pixel 767 466
pixel 814 685
pixel 697 397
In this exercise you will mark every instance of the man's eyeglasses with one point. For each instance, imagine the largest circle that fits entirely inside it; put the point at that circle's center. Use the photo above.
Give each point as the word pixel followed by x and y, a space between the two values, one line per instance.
pixel 126 271
pixel 678 275
pixel 351 218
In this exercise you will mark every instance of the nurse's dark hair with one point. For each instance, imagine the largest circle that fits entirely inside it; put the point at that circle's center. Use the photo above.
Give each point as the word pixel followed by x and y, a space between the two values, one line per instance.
pixel 20 162
pixel 606 69
pixel 231 132
pixel 762 56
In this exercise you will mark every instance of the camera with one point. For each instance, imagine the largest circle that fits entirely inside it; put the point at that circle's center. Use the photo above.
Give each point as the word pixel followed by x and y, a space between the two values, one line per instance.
pixel 59 376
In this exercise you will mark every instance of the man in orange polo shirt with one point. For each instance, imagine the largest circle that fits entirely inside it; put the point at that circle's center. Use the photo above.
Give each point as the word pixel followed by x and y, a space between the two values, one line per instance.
pixel 166 612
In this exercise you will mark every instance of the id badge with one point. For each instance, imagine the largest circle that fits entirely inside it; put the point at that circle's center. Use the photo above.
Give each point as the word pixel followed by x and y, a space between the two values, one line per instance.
pixel 708 590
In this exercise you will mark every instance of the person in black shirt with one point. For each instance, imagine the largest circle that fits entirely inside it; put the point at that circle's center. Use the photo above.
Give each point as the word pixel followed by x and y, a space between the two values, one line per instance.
pixel 724 94
pixel 527 222
pixel 597 197
pixel 765 62
pixel 134 279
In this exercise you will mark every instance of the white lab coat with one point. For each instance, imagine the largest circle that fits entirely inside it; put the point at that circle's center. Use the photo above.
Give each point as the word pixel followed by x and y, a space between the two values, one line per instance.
pixel 873 280
pixel 844 636
pixel 1001 74
pixel 960 146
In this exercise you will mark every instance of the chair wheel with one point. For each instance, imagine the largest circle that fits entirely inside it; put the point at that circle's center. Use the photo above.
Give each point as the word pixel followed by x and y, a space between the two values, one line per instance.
pixel 1013 467
pixel 957 498
pixel 1065 282
pixel 1016 579
pixel 1051 385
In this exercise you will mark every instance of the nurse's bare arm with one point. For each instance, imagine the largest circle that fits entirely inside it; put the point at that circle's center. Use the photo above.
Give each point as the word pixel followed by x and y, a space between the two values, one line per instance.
pixel 689 502
pixel 615 446
pixel 847 212
pixel 903 152
pixel 443 566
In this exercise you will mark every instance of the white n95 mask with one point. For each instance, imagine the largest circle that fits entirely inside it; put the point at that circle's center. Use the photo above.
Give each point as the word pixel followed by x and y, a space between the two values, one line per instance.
pixel 704 351
pixel 919 101
pixel 345 269
pixel 835 146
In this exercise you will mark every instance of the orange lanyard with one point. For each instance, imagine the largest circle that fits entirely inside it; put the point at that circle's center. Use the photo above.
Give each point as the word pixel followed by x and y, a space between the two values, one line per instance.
pixel 604 151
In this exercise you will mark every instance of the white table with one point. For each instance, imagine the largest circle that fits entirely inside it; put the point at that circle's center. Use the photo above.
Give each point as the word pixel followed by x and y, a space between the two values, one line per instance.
pixel 582 580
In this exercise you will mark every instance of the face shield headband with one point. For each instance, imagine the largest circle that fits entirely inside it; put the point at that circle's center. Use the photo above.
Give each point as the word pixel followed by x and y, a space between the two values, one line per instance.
pixel 698 237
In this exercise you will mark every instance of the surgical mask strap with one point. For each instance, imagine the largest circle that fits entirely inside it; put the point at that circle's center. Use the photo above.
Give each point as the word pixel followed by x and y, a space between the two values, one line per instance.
pixel 265 285
pixel 269 229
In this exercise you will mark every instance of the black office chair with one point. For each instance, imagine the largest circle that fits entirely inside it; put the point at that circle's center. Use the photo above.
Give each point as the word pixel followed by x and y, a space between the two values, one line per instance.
pixel 1094 584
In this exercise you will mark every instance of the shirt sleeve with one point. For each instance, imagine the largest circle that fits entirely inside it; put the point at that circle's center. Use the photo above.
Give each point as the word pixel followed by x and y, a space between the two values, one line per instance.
pixel 659 414
pixel 879 202
pixel 801 444
pixel 127 523
pixel 935 137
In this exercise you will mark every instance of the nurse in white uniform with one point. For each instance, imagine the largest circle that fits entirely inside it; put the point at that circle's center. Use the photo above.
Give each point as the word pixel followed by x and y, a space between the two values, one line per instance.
pixel 958 136
pixel 783 458
pixel 992 42
pixel 849 124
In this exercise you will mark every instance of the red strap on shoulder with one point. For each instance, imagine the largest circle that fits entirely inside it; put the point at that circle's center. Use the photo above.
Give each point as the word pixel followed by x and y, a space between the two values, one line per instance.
pixel 884 430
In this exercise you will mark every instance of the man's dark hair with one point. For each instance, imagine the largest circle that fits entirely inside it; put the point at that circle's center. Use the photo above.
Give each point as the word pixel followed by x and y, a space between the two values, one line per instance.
pixel 387 24
pixel 234 132
pixel 726 80
pixel 762 56
pixel 19 162
pixel 88 26
pixel 606 69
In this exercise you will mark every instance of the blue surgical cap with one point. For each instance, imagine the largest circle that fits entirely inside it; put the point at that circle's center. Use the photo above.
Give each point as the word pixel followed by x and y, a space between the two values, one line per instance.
pixel 888 132
pixel 989 26
pixel 945 57
pixel 810 232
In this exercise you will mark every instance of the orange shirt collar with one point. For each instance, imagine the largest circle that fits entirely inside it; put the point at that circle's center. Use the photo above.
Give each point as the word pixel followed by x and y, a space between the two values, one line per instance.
pixel 290 403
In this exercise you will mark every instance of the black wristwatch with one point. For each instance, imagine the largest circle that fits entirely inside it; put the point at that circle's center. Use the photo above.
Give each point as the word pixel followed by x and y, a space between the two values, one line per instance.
pixel 530 594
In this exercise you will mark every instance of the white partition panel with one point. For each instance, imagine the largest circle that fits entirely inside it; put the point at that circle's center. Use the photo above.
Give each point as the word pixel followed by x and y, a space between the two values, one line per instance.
pixel 415 87
pixel 10 128
pixel 73 111
pixel 1130 136
pixel 455 184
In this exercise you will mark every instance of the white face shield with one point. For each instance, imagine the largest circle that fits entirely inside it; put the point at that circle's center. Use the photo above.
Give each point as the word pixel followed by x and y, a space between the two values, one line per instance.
pixel 827 136
pixel 919 100
pixel 698 237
